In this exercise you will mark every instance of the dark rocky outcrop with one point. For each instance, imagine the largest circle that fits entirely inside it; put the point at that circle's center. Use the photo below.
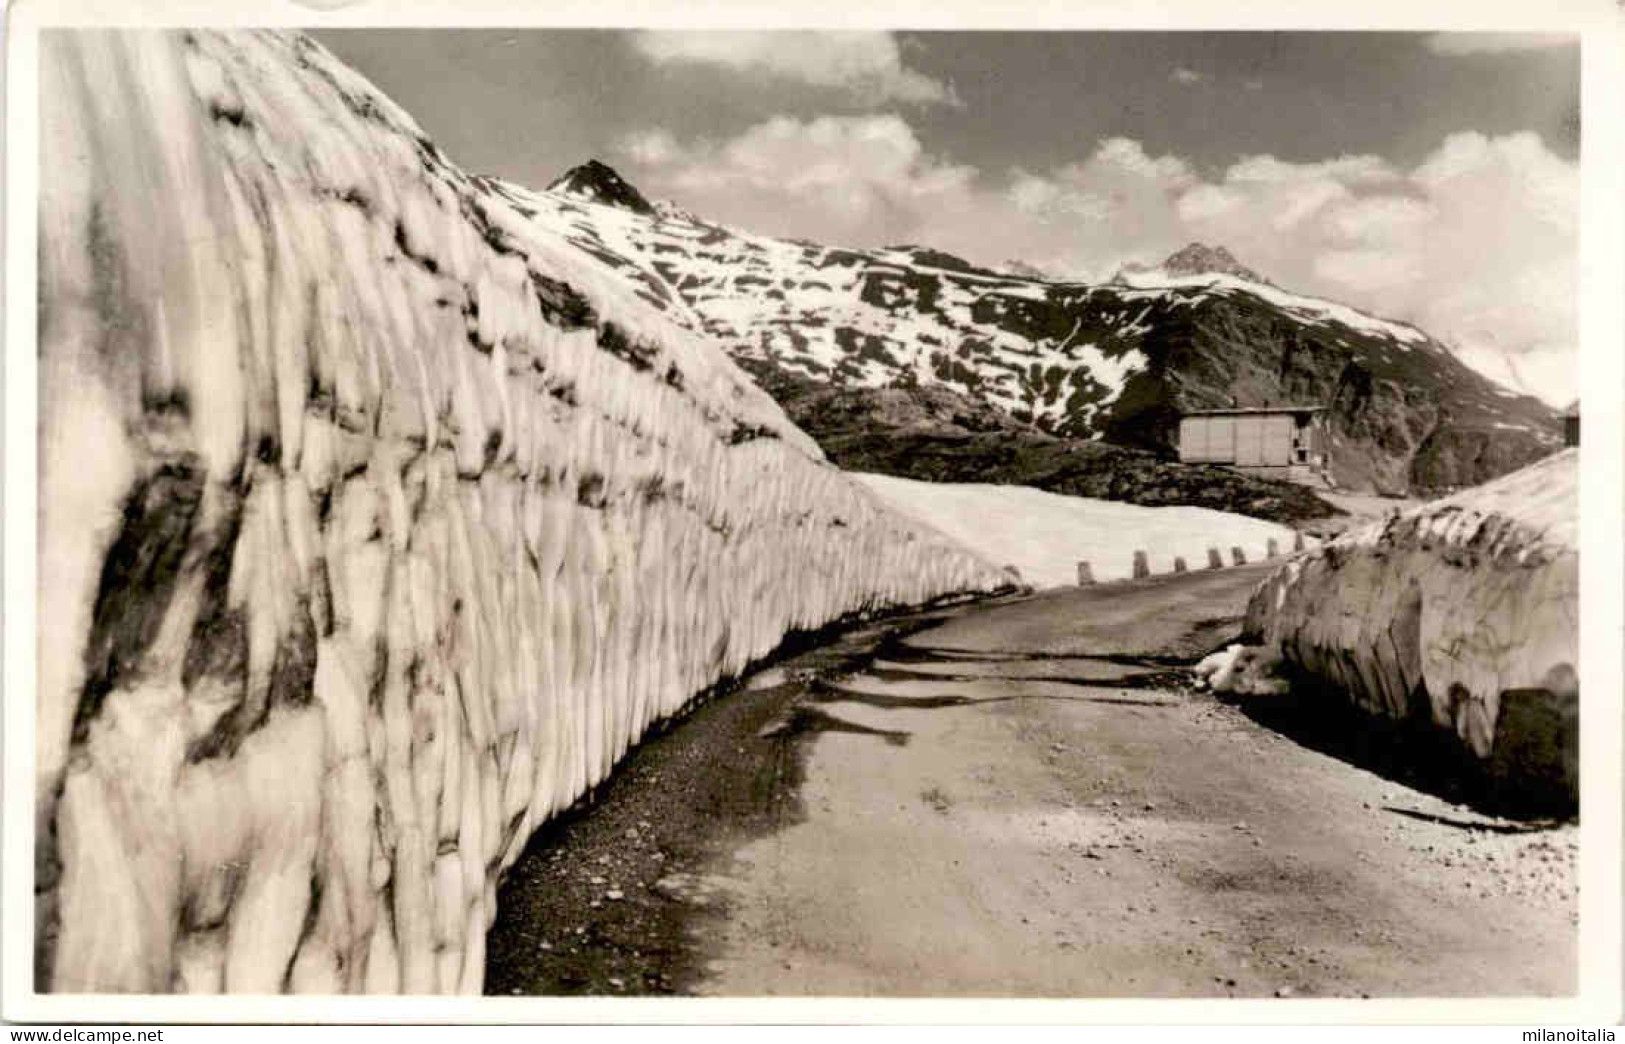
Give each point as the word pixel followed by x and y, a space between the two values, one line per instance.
pixel 601 183
pixel 935 434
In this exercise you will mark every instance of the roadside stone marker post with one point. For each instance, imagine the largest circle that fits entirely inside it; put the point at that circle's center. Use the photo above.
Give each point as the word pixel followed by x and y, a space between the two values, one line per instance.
pixel 1142 566
pixel 1086 576
pixel 1179 564
pixel 1272 549
pixel 1213 559
pixel 1297 540
pixel 1238 556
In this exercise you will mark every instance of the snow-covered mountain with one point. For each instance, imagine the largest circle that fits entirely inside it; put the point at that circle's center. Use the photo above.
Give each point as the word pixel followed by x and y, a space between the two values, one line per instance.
pixel 1117 361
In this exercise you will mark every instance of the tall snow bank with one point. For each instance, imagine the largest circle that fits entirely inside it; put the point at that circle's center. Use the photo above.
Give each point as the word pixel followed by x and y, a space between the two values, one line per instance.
pixel 1045 535
pixel 1462 612
pixel 375 526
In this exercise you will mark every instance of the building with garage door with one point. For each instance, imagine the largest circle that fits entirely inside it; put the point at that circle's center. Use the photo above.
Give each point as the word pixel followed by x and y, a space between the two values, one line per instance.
pixel 1285 442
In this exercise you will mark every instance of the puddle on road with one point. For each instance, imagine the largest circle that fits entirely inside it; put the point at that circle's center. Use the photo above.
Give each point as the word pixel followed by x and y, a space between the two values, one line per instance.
pixel 892 693
pixel 898 678
pixel 803 719
pixel 1082 670
pixel 908 647
pixel 906 652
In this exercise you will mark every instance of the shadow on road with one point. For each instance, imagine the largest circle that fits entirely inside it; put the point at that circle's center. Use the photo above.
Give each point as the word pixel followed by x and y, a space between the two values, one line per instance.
pixel 1415 753
pixel 1470 824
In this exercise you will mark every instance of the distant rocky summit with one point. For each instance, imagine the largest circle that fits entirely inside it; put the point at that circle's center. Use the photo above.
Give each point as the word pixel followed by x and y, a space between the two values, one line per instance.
pixel 601 183
pixel 1195 260
pixel 1117 362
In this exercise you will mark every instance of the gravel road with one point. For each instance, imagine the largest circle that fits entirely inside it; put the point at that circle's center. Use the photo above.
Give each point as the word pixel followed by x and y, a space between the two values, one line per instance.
pixel 1024 798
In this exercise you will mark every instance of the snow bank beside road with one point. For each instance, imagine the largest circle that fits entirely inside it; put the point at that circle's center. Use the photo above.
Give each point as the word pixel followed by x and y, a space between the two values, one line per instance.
pixel 1045 535
pixel 375 526
pixel 1462 612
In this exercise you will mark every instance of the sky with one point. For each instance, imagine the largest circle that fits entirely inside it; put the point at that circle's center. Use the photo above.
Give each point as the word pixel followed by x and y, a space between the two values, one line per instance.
pixel 1431 178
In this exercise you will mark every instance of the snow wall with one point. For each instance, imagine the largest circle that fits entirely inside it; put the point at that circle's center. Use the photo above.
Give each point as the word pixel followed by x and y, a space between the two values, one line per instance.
pixel 375 526
pixel 1463 612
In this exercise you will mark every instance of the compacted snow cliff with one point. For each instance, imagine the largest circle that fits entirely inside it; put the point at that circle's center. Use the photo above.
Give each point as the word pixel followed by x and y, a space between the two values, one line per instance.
pixel 375 525
pixel 1462 612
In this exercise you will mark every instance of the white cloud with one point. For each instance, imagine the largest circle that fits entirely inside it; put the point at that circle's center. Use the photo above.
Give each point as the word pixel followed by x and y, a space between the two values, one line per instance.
pixel 858 179
pixel 653 147
pixel 1045 199
pixel 1353 170
pixel 1188 77
pixel 1208 203
pixel 868 64
pixel 1379 220
pixel 1496 43
pixel 1366 269
pixel 1128 157
pixel 1476 243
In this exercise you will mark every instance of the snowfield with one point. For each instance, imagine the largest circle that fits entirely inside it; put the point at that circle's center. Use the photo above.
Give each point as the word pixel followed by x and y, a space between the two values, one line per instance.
pixel 1309 309
pixel 1045 535
pixel 805 307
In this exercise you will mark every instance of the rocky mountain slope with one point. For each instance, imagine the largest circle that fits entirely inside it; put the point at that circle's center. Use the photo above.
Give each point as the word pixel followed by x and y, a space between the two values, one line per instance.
pixel 934 433
pixel 1116 361
pixel 376 523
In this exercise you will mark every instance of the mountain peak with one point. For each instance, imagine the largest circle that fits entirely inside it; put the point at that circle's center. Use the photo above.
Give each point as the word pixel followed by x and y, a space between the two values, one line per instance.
pixel 1201 259
pixel 600 183
pixel 1017 267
